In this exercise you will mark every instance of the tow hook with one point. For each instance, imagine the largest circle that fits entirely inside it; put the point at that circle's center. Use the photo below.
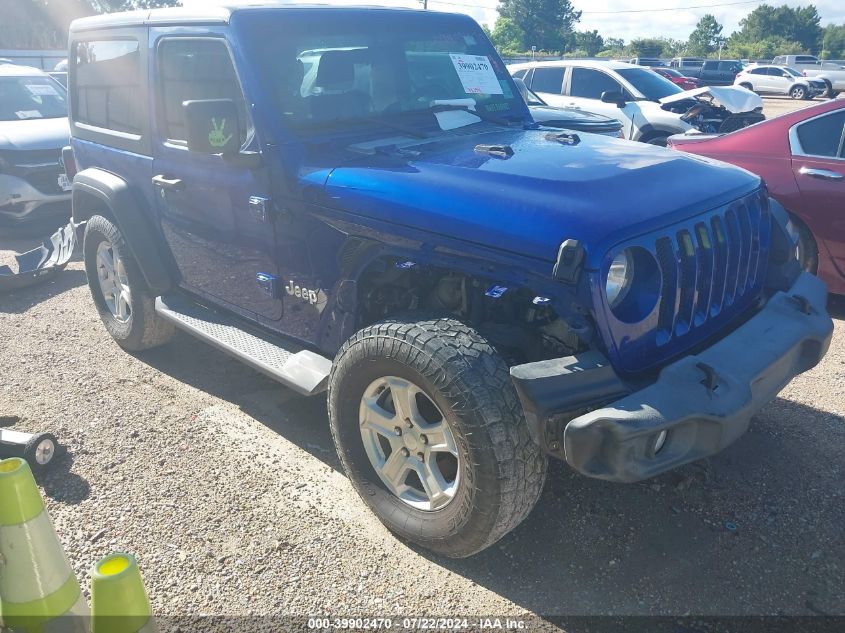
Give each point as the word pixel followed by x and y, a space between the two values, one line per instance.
pixel 711 378
pixel 803 303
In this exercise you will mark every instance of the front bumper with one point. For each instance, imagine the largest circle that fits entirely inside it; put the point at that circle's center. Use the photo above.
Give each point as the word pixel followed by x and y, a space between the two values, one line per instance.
pixel 21 202
pixel 703 401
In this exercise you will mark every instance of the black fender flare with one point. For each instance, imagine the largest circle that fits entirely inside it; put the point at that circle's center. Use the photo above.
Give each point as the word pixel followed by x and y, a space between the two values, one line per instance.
pixel 96 191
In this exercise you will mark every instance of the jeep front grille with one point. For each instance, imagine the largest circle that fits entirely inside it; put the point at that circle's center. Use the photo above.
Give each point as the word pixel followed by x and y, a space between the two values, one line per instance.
pixel 712 269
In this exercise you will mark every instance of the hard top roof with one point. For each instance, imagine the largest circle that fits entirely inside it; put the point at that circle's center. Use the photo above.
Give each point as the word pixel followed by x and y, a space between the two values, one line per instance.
pixel 217 14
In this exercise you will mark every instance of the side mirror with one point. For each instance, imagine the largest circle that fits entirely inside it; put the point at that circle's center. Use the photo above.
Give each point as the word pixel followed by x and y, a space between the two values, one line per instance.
pixel 212 126
pixel 615 97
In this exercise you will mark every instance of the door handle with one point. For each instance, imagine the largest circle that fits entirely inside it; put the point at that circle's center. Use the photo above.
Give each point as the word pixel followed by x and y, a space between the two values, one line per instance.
pixel 824 174
pixel 172 184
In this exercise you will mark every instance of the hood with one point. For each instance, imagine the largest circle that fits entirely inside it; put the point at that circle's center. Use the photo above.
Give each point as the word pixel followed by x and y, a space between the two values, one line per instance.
pixel 600 191
pixel 574 119
pixel 34 134
pixel 733 98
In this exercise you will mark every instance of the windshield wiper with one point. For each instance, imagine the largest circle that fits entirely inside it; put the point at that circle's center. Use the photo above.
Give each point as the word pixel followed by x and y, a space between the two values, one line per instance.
pixel 389 124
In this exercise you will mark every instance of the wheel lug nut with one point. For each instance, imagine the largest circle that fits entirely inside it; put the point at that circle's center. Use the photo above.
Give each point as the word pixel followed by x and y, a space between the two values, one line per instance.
pixel 397 430
pixel 405 451
pixel 420 456
pixel 423 439
pixel 408 423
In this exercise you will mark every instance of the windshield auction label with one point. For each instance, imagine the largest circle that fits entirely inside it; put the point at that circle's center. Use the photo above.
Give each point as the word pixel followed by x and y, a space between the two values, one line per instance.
pixel 42 90
pixel 476 74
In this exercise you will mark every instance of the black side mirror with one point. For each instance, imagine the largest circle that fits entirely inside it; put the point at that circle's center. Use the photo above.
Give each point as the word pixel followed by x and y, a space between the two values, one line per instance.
pixel 614 96
pixel 212 126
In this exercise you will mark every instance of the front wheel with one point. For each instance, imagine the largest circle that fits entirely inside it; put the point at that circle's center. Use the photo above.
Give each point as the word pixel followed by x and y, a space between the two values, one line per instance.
pixel 431 433
pixel 126 308
pixel 798 93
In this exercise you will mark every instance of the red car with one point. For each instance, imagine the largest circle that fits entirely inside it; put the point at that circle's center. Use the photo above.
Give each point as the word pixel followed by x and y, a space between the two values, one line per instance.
pixel 677 78
pixel 801 156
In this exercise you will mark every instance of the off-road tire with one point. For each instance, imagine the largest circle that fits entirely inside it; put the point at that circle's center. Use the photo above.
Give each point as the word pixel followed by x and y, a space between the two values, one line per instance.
pixel 144 329
pixel 799 93
pixel 503 468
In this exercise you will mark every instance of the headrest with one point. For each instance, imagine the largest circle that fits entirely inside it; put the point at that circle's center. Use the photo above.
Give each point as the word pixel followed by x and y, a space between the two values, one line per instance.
pixel 336 71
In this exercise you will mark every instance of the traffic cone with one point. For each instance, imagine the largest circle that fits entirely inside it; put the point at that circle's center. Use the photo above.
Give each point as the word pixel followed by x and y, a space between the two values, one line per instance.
pixel 119 602
pixel 38 591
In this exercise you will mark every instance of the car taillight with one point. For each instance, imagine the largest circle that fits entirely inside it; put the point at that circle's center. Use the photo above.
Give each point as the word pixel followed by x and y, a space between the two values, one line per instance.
pixel 69 162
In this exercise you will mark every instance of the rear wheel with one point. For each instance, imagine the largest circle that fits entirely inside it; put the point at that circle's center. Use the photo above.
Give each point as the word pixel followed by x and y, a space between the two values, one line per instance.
pixel 126 308
pixel 798 92
pixel 830 93
pixel 747 86
pixel 431 434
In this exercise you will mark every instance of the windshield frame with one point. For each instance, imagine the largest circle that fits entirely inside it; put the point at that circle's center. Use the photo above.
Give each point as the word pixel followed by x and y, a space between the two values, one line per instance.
pixel 374 31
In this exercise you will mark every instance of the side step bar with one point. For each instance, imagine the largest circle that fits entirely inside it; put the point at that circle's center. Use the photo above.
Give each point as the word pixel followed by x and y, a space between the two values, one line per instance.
pixel 300 369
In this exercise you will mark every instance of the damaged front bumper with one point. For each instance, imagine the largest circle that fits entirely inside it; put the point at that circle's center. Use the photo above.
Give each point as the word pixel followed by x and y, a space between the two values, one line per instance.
pixel 703 401
pixel 42 263
pixel 21 202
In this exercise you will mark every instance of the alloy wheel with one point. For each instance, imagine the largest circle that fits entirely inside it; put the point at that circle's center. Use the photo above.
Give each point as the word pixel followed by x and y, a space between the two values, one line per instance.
pixel 111 273
pixel 409 443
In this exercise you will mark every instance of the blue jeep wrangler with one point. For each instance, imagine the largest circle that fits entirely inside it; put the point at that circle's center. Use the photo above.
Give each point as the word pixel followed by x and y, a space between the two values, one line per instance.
pixel 357 201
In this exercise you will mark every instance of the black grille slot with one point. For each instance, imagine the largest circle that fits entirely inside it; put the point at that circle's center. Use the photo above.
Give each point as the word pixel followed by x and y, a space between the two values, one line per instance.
pixel 668 295
pixel 704 284
pixel 687 283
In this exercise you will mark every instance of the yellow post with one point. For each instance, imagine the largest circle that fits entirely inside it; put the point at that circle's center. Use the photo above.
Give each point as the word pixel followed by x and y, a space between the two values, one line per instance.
pixel 119 602
pixel 38 591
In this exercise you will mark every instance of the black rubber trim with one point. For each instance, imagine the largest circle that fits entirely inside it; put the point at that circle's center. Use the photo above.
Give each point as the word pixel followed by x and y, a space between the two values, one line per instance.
pixel 95 190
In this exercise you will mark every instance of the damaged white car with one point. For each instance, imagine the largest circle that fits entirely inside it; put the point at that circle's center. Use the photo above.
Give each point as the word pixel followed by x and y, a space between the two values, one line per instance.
pixel 650 107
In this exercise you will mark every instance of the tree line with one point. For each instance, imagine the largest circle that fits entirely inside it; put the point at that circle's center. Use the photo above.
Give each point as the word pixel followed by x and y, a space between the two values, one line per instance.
pixel 43 24
pixel 549 25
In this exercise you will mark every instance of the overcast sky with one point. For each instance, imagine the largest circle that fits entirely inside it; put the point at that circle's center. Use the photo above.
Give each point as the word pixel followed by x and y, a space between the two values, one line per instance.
pixel 674 22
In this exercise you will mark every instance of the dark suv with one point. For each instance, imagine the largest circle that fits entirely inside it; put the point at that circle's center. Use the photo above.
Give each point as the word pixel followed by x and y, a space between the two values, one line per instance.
pixel 357 201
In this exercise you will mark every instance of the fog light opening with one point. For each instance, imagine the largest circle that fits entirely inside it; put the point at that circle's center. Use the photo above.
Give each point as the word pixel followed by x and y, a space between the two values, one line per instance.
pixel 660 441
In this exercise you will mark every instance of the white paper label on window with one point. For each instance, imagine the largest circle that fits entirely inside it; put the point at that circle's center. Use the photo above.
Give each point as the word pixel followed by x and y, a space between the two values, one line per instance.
pixel 476 74
pixel 42 90
pixel 28 114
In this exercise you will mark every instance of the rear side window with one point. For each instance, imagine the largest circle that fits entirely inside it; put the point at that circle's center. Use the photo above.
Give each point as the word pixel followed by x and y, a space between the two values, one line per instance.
pixel 805 59
pixel 195 69
pixel 590 84
pixel 823 136
pixel 108 85
pixel 758 71
pixel 548 80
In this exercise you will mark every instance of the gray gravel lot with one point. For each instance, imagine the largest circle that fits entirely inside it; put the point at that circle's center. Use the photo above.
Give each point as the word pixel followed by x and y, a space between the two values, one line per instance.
pixel 227 489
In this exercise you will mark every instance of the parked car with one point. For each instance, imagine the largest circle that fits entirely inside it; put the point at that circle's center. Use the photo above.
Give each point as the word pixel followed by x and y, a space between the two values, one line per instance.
pixel 568 118
pixel 473 292
pixel 715 72
pixel 683 63
pixel 33 130
pixel 801 157
pixel 833 75
pixel 779 80
pixel 650 107
pixel 678 78
pixel 647 61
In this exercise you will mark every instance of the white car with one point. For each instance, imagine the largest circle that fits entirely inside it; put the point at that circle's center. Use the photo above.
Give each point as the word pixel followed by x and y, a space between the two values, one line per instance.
pixel 650 107
pixel 779 80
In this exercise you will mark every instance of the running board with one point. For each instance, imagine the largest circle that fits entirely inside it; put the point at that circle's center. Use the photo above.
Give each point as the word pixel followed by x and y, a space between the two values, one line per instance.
pixel 300 369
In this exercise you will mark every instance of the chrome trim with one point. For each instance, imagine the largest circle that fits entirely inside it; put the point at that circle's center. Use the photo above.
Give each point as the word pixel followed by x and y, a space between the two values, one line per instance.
pixel 824 174
pixel 795 147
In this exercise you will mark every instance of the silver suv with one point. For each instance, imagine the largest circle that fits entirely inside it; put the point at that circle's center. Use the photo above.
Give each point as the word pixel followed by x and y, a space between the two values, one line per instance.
pixel 779 80
pixel 33 130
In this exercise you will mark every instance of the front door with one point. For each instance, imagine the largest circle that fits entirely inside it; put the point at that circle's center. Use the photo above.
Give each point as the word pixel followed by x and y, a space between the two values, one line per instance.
pixel 586 86
pixel 818 162
pixel 211 209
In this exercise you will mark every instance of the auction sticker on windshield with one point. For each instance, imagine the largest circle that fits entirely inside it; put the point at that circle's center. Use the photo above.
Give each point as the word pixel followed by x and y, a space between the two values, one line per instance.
pixel 476 74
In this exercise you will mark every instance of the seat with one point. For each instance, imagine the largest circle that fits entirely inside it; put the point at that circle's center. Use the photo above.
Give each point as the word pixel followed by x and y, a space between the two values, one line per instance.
pixel 335 82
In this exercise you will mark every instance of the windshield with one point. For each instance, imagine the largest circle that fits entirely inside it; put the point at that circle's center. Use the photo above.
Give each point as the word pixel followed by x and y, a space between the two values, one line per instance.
pixel 525 92
pixel 669 71
pixel 31 98
pixel 648 83
pixel 343 67
pixel 792 71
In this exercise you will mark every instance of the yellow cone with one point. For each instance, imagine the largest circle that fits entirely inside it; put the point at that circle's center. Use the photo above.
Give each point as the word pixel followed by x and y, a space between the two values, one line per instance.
pixel 119 602
pixel 38 591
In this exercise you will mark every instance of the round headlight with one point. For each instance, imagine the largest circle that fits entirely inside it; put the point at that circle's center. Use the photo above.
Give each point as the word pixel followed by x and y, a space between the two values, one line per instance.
pixel 619 278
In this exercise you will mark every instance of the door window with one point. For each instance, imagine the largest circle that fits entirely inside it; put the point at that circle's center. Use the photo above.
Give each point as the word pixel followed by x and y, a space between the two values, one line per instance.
pixel 548 80
pixel 758 71
pixel 590 84
pixel 108 83
pixel 823 136
pixel 195 69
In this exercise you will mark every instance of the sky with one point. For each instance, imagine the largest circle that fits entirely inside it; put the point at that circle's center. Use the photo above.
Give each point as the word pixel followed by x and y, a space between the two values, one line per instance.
pixel 675 20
